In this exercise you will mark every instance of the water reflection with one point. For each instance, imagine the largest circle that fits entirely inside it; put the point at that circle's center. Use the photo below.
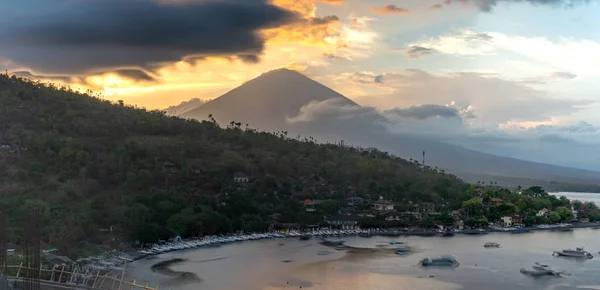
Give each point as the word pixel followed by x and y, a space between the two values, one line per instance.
pixel 267 265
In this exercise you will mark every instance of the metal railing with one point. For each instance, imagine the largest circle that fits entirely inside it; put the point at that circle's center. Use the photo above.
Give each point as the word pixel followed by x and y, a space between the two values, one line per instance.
pixel 90 281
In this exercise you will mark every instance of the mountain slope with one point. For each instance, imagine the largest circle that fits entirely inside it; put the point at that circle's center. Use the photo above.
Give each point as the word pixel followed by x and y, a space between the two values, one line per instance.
pixel 268 102
pixel 88 165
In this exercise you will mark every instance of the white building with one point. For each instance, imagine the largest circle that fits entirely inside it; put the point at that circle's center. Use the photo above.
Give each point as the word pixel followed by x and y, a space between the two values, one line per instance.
pixel 383 205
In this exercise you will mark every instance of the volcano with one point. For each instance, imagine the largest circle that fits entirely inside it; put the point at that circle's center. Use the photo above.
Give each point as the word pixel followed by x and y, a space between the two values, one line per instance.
pixel 286 100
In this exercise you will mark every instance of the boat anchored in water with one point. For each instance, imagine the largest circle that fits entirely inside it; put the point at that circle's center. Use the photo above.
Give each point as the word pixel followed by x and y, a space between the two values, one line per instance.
pixel 540 270
pixel 579 252
pixel 491 245
pixel 401 251
pixel 443 261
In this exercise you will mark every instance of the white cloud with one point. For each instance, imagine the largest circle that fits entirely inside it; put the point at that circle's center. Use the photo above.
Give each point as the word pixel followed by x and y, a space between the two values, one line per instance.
pixel 492 99
pixel 462 43
pixel 578 56
pixel 328 110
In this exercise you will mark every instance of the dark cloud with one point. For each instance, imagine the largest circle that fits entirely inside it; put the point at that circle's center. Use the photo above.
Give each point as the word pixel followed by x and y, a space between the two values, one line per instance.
pixel 488 5
pixel 425 112
pixel 418 51
pixel 389 9
pixel 249 58
pixel 73 36
pixel 135 75
pixel 323 20
pixel 562 75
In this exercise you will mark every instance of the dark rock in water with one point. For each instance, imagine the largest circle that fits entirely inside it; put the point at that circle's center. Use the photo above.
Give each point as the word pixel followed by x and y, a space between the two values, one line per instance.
pixel 160 266
pixel 180 278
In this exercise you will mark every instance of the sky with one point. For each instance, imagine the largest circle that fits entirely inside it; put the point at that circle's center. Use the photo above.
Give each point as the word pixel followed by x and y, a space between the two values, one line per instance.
pixel 510 77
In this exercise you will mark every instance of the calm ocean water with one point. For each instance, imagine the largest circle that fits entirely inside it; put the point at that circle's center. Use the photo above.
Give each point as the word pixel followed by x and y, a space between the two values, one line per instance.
pixel 582 196
pixel 294 264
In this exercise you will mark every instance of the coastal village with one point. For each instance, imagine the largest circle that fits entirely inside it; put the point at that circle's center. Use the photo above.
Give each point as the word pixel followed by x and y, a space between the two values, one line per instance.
pixel 533 207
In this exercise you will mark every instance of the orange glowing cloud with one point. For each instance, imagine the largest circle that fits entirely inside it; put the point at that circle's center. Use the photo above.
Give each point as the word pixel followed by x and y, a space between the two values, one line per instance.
pixel 311 30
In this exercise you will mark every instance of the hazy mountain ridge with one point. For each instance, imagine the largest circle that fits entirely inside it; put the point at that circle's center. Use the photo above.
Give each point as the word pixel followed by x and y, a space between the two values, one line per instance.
pixel 184 107
pixel 268 101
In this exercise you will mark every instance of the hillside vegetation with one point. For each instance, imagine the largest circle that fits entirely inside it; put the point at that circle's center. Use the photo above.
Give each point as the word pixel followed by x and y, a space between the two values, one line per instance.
pixel 90 165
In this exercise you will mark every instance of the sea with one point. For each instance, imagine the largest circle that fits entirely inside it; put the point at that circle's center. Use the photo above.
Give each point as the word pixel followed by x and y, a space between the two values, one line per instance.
pixel 283 264
pixel 581 196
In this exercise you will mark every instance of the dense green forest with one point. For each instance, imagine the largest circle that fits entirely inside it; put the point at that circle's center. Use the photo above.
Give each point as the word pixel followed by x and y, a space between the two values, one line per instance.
pixel 91 165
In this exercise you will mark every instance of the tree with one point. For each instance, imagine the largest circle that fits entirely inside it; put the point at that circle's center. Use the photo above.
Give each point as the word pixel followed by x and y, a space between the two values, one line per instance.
pixel 577 205
pixel 595 215
pixel 565 214
pixel 184 223
pixel 540 203
pixel 445 219
pixel 540 220
pixel 506 209
pixel 529 221
pixel 535 191
pixel 473 206
pixel 555 217
pixel 428 223
pixel 564 200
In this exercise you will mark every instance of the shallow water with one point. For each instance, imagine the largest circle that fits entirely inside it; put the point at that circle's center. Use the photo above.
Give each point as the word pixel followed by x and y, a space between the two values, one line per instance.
pixel 294 264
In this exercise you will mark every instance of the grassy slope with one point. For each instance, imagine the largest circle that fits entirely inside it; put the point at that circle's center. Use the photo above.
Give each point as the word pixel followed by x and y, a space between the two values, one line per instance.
pixel 90 164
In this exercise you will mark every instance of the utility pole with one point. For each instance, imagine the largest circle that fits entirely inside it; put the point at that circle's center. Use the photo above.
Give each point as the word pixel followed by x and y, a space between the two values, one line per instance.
pixel 423 158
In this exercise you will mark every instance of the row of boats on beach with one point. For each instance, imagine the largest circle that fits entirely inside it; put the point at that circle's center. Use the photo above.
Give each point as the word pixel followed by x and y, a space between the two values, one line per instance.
pixel 164 247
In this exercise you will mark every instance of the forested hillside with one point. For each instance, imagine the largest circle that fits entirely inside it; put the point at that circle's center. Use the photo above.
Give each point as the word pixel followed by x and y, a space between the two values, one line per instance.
pixel 91 165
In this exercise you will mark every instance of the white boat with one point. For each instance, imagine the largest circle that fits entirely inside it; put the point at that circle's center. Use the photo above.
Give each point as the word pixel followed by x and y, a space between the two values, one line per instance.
pixel 491 245
pixel 539 269
pixel 579 252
